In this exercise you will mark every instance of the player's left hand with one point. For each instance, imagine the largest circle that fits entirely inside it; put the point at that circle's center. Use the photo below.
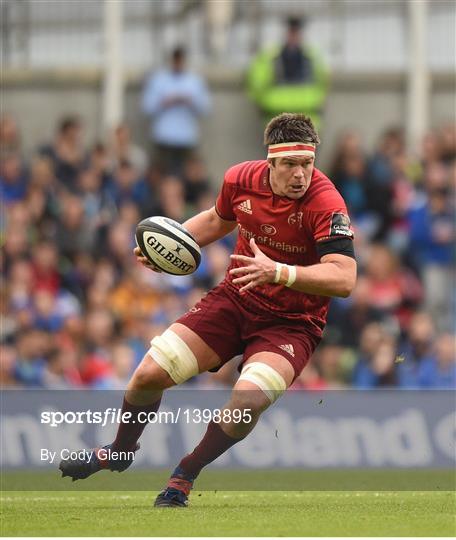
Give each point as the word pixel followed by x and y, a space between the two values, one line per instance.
pixel 257 270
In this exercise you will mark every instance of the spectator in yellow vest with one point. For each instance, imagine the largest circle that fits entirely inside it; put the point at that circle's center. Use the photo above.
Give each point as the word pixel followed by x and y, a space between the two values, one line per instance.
pixel 290 78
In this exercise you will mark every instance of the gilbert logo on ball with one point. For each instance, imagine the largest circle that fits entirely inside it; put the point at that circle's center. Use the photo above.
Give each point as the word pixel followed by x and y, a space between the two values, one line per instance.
pixel 168 245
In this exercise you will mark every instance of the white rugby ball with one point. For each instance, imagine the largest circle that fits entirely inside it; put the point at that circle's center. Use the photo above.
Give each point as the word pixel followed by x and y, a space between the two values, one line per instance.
pixel 168 245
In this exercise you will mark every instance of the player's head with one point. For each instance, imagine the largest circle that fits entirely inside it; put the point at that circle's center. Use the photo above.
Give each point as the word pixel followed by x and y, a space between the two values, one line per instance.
pixel 292 141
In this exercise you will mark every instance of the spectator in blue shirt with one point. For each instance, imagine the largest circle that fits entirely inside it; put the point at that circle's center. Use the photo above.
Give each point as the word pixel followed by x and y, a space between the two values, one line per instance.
pixel 175 99
pixel 439 370
pixel 13 180
pixel 431 244
pixel 32 348
pixel 416 348
pixel 374 366
pixel 432 232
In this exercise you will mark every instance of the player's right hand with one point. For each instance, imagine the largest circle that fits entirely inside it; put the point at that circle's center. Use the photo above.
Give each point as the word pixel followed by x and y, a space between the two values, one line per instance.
pixel 144 260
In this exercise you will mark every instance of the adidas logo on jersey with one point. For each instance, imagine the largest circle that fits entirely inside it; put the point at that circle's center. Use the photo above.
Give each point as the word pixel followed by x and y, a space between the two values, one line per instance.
pixel 288 348
pixel 245 206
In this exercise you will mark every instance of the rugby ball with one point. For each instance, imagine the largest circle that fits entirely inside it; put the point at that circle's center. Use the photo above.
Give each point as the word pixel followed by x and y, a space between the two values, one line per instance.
pixel 168 245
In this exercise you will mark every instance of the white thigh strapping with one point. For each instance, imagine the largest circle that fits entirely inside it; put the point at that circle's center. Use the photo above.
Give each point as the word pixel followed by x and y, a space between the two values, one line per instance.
pixel 173 355
pixel 266 378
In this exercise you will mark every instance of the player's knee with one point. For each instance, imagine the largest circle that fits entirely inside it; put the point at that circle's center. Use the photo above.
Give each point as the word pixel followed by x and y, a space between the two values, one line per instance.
pixel 248 404
pixel 258 387
pixel 174 357
pixel 150 376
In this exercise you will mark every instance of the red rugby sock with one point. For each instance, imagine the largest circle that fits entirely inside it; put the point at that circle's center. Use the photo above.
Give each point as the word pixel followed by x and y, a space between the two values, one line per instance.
pixel 214 443
pixel 129 432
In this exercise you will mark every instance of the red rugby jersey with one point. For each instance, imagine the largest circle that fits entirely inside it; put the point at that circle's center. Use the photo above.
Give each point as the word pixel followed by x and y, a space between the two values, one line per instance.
pixel 286 230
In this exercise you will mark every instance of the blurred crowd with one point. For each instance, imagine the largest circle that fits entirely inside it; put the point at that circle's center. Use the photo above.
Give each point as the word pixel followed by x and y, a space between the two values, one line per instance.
pixel 398 327
pixel 77 310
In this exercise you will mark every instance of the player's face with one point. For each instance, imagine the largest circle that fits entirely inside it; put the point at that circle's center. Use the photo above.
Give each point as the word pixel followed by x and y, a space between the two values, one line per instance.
pixel 290 176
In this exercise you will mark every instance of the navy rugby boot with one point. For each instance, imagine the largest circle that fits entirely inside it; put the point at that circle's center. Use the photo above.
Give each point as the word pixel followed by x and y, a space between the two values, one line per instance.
pixel 92 461
pixel 176 492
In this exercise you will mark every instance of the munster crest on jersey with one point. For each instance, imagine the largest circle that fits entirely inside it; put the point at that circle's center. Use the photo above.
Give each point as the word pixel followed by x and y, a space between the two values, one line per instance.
pixel 295 219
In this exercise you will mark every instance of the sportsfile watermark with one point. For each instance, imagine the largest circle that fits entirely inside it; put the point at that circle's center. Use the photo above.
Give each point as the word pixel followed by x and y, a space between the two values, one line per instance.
pixel 322 441
pixel 116 416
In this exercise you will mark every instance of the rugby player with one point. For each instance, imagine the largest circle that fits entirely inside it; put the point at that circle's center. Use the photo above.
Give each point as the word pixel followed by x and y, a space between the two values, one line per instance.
pixel 293 253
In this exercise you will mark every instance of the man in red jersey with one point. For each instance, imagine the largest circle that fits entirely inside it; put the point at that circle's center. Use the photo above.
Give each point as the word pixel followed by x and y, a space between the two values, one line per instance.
pixel 294 251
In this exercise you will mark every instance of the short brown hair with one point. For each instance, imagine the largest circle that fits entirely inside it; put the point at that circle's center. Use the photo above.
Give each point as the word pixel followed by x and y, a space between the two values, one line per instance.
pixel 289 127
pixel 68 122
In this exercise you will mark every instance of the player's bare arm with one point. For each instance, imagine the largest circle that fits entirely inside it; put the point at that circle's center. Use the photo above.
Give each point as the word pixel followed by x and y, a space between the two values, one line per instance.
pixel 335 275
pixel 207 227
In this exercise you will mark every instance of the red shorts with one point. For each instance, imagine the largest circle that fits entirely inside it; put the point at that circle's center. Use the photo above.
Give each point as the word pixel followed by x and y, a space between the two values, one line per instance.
pixel 232 329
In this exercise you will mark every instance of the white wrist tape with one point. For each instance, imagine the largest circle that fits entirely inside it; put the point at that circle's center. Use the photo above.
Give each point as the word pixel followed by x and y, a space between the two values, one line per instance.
pixel 278 271
pixel 291 276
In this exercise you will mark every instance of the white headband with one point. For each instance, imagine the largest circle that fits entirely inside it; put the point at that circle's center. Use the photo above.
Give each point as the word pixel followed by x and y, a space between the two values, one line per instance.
pixel 291 149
